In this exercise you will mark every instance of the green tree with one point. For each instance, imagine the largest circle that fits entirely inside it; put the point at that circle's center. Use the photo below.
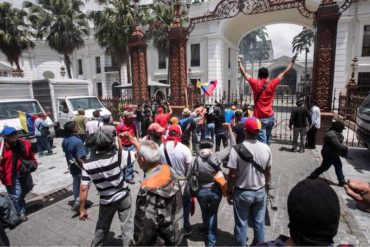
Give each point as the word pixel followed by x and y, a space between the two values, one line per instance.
pixel 255 47
pixel 61 23
pixel 302 42
pixel 14 33
pixel 161 18
pixel 113 26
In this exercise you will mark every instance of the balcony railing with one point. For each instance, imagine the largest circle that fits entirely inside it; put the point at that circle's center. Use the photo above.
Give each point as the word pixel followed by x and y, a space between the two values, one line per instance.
pixel 111 68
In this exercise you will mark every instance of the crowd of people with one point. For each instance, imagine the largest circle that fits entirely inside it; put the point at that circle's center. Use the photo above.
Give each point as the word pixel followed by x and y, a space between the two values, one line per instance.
pixel 182 160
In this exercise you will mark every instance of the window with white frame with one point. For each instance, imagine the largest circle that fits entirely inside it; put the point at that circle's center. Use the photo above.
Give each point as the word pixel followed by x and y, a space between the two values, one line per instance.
pixel 366 42
pixel 195 55
pixel 162 59
pixel 80 70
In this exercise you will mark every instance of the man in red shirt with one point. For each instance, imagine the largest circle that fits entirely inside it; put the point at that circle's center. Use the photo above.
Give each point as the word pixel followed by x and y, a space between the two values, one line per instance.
pixel 162 118
pixel 263 94
pixel 16 183
pixel 126 129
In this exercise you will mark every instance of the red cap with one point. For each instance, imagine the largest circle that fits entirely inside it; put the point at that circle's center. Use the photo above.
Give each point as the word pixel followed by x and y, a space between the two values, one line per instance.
pixel 155 127
pixel 174 130
pixel 252 125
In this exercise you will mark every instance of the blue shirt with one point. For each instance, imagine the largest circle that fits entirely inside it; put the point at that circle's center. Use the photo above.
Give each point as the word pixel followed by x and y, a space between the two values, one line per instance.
pixel 74 148
pixel 229 114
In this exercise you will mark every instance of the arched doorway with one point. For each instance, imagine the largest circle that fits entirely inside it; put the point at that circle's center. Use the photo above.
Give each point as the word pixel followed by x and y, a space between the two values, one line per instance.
pixel 116 92
pixel 289 84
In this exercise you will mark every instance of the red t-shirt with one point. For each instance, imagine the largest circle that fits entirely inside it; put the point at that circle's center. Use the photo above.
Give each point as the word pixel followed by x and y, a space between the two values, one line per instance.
pixel 123 127
pixel 162 119
pixel 263 108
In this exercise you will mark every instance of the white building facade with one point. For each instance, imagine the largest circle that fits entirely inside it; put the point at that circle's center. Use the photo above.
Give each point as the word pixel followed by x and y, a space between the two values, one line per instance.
pixel 212 52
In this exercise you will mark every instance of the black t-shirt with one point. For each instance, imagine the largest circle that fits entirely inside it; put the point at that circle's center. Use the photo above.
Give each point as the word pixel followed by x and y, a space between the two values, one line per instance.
pixel 238 129
pixel 219 124
pixel 145 125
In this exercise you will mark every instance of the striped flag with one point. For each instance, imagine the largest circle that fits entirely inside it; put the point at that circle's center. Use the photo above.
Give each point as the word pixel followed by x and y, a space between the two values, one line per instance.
pixel 208 90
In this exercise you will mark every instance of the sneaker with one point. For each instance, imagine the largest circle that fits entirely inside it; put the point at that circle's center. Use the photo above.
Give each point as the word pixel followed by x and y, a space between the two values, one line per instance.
pixel 294 150
pixel 22 218
pixel 301 150
pixel 50 153
pixel 130 181
pixel 187 231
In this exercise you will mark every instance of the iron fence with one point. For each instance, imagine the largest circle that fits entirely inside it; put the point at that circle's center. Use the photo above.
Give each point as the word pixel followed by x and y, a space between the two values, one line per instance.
pixel 345 108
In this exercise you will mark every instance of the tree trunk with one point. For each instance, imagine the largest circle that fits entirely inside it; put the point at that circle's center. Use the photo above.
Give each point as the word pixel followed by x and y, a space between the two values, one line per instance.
pixel 68 63
pixel 128 68
pixel 17 64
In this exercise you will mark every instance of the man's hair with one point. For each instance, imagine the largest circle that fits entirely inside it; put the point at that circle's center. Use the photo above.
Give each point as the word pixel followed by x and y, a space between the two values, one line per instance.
pixel 81 112
pixel 103 140
pixel 96 114
pixel 150 151
pixel 263 73
pixel 206 143
pixel 314 102
pixel 69 127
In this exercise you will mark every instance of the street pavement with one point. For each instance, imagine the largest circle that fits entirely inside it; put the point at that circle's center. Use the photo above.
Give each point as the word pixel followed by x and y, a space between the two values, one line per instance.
pixel 51 222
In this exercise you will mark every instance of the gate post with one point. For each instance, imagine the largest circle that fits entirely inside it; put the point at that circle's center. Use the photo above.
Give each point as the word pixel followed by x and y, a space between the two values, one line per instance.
pixel 177 62
pixel 137 45
pixel 326 21
pixel 324 58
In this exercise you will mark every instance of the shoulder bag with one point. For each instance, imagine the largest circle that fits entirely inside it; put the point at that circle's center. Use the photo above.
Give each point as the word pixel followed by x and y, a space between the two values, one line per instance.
pixel 247 156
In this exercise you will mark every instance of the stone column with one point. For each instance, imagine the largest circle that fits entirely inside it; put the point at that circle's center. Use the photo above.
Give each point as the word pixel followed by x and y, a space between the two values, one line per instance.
pixel 177 63
pixel 326 22
pixel 137 45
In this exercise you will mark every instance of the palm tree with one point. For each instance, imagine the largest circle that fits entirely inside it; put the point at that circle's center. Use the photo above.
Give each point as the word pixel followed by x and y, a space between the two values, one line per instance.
pixel 14 34
pixel 62 23
pixel 254 46
pixel 113 27
pixel 302 42
pixel 162 16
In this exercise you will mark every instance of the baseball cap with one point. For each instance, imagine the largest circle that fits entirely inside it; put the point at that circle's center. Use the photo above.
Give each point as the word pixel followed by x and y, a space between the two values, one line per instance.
pixel 106 117
pixel 174 130
pixel 186 112
pixel 337 126
pixel 252 125
pixel 174 120
pixel 155 127
pixel 128 114
pixel 8 131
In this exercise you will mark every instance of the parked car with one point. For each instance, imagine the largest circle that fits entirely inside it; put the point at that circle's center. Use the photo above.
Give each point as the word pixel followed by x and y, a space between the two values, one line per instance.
pixel 363 123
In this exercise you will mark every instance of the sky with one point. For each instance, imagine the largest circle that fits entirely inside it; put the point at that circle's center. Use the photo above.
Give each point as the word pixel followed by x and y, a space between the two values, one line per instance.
pixel 281 36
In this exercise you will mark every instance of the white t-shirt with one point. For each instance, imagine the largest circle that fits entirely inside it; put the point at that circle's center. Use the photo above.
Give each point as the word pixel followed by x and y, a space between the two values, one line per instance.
pixel 247 177
pixel 92 126
pixel 180 157
pixel 316 121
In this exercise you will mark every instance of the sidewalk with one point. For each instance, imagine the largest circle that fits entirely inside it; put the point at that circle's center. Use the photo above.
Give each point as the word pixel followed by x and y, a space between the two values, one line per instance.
pixel 58 225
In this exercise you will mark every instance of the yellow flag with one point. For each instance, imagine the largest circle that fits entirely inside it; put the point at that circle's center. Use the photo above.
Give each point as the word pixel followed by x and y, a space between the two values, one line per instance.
pixel 199 84
pixel 23 120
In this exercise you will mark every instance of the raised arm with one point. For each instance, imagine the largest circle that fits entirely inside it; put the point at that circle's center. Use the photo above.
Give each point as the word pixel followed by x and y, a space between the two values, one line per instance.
pixel 170 109
pixel 245 74
pixel 289 67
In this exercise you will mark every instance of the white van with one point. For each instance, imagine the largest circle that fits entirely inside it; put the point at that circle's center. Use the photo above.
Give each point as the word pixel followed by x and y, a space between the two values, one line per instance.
pixel 9 115
pixel 68 108
pixel 64 97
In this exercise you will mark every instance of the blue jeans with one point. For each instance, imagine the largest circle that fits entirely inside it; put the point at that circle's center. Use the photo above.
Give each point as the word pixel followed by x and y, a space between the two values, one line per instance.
pixel 76 188
pixel 43 144
pixel 129 169
pixel 209 200
pixel 254 203
pixel 329 159
pixel 265 133
pixel 210 131
pixel 18 191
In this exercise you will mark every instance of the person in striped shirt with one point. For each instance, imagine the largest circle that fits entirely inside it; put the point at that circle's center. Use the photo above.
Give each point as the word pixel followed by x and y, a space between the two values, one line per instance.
pixel 105 171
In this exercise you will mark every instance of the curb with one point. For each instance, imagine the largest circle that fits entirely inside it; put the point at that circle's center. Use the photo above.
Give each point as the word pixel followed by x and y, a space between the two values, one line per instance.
pixel 346 213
